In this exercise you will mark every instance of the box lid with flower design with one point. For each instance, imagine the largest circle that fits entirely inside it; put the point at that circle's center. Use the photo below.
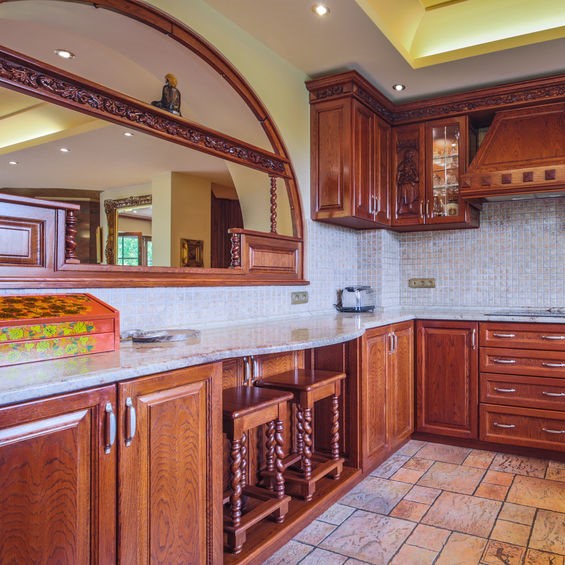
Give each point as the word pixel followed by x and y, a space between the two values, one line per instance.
pixel 51 326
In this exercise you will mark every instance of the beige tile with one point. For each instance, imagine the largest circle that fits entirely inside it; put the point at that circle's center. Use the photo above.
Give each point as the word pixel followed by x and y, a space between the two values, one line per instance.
pixel 535 557
pixel 390 466
pixel 314 532
pixel 479 458
pixel 376 495
pixel 290 554
pixel 352 561
pixel 498 478
pixel 517 513
pixel 511 532
pixel 462 513
pixel 369 537
pixel 410 510
pixel 411 447
pixel 444 453
pixel 407 475
pixel 425 495
pixel 498 552
pixel 414 556
pixel 428 537
pixel 555 471
pixel 518 465
pixel 323 557
pixel 541 493
pixel 336 514
pixel 418 464
pixel 494 492
pixel 548 533
pixel 462 549
pixel 455 478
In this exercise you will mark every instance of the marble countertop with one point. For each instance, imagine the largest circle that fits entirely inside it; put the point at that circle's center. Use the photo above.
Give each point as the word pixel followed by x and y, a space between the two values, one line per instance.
pixel 29 381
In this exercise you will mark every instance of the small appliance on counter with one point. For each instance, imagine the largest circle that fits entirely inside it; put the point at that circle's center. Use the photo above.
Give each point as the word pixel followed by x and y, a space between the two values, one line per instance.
pixel 356 299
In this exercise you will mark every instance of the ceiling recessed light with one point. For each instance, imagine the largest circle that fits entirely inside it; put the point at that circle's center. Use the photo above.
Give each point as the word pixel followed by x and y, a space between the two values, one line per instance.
pixel 398 87
pixel 128 134
pixel 64 149
pixel 64 53
pixel 13 163
pixel 320 9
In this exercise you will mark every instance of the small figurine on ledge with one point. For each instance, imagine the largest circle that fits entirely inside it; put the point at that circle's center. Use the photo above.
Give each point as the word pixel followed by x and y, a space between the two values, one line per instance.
pixel 170 99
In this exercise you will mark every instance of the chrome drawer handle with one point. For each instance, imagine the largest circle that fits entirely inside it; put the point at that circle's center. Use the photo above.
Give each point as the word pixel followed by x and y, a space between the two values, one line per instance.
pixel 553 337
pixel 504 361
pixel 505 336
pixel 553 365
pixel 504 389
pixel 553 431
pixel 557 394
pixel 131 421
pixel 110 428
pixel 509 426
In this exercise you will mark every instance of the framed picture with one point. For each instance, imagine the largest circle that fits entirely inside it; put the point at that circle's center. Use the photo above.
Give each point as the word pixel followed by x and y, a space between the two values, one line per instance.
pixel 191 253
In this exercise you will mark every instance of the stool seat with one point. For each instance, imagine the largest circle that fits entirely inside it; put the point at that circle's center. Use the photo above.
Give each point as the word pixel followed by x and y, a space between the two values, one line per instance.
pixel 242 401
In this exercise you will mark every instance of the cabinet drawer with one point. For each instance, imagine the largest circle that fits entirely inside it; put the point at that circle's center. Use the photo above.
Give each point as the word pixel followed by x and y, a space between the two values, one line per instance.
pixel 523 336
pixel 522 362
pixel 515 390
pixel 544 429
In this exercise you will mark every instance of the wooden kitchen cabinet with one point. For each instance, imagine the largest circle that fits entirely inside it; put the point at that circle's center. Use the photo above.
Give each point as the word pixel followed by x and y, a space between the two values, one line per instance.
pixel 350 152
pixel 447 378
pixel 387 391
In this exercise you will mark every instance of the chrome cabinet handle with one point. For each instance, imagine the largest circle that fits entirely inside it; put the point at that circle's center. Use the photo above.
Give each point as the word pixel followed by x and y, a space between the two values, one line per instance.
pixel 509 426
pixel 504 361
pixel 474 339
pixel 246 371
pixel 109 428
pixel 391 343
pixel 131 421
pixel 395 341
pixel 504 336
pixel 553 337
pixel 553 365
pixel 504 389
pixel 553 394
pixel 553 431
pixel 254 371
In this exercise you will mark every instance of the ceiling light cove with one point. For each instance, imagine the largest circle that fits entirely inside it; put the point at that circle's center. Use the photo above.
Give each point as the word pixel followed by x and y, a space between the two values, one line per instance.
pixel 64 53
pixel 429 32
pixel 399 87
pixel 320 9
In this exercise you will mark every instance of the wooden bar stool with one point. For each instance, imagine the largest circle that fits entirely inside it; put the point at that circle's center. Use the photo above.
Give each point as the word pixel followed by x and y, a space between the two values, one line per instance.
pixel 307 387
pixel 245 408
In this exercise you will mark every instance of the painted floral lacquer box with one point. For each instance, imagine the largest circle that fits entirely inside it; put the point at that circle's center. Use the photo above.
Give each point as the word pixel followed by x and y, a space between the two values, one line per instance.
pixel 51 326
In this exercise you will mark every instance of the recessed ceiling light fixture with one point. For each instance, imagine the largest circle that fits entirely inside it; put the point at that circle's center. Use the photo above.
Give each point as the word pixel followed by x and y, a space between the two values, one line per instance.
pixel 64 53
pixel 399 87
pixel 13 163
pixel 320 9
pixel 128 134
pixel 64 150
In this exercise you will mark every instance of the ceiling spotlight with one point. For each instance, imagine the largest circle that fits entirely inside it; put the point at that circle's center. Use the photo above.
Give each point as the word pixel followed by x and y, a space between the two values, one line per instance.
pixel 320 9
pixel 13 163
pixel 399 87
pixel 64 150
pixel 128 134
pixel 64 53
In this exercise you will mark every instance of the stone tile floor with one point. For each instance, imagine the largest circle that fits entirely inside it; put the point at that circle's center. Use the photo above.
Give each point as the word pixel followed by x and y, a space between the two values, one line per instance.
pixel 446 505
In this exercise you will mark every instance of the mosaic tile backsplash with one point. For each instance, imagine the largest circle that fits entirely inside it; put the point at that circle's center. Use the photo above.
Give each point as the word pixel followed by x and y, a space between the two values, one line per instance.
pixel 516 258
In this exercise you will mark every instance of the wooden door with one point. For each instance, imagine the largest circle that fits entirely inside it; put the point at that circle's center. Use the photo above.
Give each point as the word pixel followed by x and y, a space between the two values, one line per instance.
pixel 170 475
pixel 447 378
pixel 400 385
pixel 58 480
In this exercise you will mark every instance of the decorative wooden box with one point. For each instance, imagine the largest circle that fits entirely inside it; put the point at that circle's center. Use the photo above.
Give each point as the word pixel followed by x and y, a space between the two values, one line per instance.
pixel 51 326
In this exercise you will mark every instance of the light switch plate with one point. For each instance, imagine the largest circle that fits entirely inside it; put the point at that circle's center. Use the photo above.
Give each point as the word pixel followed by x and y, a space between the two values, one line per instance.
pixel 422 283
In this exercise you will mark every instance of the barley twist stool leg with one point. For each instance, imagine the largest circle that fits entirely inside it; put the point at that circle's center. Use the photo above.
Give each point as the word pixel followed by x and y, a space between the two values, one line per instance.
pixel 307 438
pixel 270 453
pixel 334 431
pixel 279 456
pixel 235 482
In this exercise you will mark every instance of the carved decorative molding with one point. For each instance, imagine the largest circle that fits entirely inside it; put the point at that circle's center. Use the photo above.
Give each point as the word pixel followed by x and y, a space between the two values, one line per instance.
pixel 328 92
pixel 375 105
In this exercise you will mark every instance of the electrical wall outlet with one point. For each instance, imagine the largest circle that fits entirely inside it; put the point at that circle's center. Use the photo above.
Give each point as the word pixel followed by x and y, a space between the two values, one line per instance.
pixel 422 283
pixel 299 297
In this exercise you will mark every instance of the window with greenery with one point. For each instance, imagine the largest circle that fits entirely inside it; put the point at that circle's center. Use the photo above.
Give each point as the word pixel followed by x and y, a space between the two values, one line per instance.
pixel 134 249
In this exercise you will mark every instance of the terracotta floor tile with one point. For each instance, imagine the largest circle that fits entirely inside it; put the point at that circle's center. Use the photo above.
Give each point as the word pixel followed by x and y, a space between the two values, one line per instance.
pixel 498 478
pixel 511 532
pixel 462 549
pixel 407 475
pixel 376 495
pixel 290 554
pixel 418 464
pixel 352 561
pixel 555 471
pixel 411 447
pixel 529 466
pixel 425 495
pixel 535 557
pixel 479 458
pixel 315 532
pixel 517 513
pixel 410 510
pixel 462 513
pixel 498 552
pixel 323 557
pixel 336 514
pixel 390 466
pixel 494 492
pixel 369 537
pixel 549 532
pixel 541 493
pixel 414 556
pixel 455 478
pixel 428 537
pixel 444 453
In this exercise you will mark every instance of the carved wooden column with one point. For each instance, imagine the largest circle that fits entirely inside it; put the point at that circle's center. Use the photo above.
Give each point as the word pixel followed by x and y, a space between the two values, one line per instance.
pixel 71 222
pixel 235 250
pixel 273 203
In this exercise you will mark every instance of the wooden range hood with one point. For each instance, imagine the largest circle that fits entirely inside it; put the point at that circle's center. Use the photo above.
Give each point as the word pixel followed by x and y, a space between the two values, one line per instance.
pixel 523 153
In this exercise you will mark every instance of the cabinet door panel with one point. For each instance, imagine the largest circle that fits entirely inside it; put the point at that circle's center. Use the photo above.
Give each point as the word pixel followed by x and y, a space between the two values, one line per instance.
pixel 170 473
pixel 447 378
pixel 57 485
pixel 381 196
pixel 364 149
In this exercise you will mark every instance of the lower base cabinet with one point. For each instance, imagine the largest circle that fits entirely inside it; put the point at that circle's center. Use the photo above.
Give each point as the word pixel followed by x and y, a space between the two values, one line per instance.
pixel 128 473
